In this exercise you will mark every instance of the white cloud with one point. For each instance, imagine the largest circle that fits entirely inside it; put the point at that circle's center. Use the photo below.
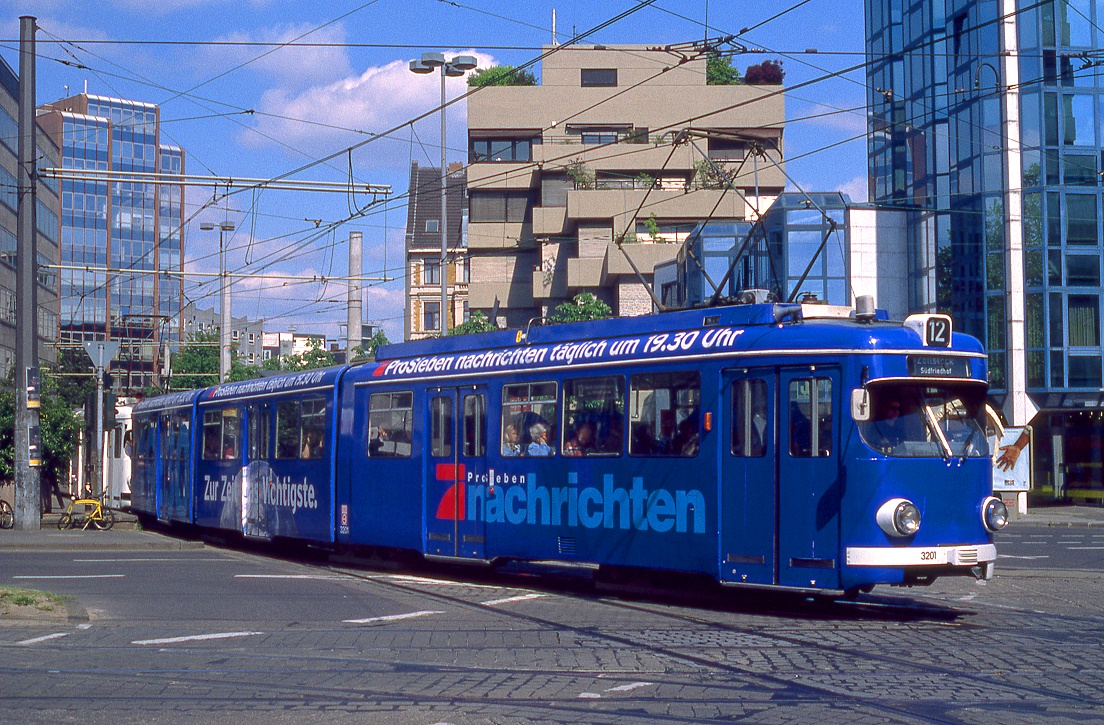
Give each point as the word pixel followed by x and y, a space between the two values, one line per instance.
pixel 290 65
pixel 856 188
pixel 835 117
pixel 379 98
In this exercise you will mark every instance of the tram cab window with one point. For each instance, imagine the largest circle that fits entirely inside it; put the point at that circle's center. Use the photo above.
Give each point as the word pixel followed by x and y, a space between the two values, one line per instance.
pixel 390 424
pixel 475 426
pixel 810 402
pixel 665 414
pixel 221 434
pixel 911 420
pixel 594 416
pixel 529 419
pixel 440 427
pixel 749 418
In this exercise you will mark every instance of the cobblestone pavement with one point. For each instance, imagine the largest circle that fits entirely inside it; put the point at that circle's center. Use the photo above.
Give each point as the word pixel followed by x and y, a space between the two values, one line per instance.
pixel 203 636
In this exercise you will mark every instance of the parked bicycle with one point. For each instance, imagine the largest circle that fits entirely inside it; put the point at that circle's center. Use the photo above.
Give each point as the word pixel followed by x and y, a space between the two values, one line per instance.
pixel 7 515
pixel 84 512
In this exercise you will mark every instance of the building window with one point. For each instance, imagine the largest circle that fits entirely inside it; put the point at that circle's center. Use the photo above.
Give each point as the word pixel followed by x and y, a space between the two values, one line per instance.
pixel 431 316
pixel 498 206
pixel 235 334
pixel 502 149
pixel 599 77
pixel 433 225
pixel 431 272
pixel 252 338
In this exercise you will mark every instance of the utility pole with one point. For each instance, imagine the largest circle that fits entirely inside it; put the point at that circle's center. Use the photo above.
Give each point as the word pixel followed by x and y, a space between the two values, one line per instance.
pixel 356 244
pixel 28 494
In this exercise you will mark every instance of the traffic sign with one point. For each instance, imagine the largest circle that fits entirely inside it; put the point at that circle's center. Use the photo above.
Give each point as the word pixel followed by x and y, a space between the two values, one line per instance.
pixel 101 351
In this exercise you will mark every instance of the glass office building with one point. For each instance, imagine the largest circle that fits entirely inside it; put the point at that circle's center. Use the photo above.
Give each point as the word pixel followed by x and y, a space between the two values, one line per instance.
pixel 121 241
pixel 987 123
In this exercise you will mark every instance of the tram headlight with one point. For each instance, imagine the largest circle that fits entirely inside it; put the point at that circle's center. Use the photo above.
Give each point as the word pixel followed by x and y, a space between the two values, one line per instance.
pixel 899 517
pixel 994 514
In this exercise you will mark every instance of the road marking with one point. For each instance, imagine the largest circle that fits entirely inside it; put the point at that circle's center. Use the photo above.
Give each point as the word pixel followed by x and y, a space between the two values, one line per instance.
pixel 1010 556
pixel 36 640
pixel 195 637
pixel 629 688
pixel 409 579
pixel 507 600
pixel 1086 548
pixel 71 576
pixel 86 625
pixel 108 561
pixel 1029 543
pixel 1070 542
pixel 323 577
pixel 589 696
pixel 392 617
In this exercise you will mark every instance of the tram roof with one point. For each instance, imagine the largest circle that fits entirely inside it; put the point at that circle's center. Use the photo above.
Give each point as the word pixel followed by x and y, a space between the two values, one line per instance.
pixel 846 332
pixel 182 399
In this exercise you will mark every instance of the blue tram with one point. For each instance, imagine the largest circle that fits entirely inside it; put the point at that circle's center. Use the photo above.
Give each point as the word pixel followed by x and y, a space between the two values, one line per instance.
pixel 801 447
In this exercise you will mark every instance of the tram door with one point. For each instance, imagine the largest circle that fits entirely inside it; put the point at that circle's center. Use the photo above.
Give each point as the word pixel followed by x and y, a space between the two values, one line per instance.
pixel 810 481
pixel 256 473
pixel 456 461
pixel 749 486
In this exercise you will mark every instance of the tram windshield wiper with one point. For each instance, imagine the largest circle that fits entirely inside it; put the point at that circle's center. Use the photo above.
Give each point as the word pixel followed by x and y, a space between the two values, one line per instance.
pixel 933 426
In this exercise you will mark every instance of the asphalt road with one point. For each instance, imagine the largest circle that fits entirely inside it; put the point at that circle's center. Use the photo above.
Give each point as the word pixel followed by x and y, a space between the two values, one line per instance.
pixel 214 634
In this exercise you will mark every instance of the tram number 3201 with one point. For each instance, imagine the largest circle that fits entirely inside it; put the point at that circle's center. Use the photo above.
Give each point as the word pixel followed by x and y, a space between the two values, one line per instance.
pixel 928 555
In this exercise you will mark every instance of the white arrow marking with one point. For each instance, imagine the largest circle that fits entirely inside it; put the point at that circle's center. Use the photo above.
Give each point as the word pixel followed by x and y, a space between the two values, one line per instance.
pixel 196 637
pixel 391 617
pixel 36 640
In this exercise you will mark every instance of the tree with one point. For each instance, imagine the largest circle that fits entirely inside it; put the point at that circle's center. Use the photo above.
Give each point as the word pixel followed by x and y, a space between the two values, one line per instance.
pixel 240 370
pixel 59 426
pixel 75 379
pixel 196 363
pixel 477 323
pixel 501 75
pixel 367 349
pixel 584 307
pixel 315 356
pixel 767 73
pixel 720 72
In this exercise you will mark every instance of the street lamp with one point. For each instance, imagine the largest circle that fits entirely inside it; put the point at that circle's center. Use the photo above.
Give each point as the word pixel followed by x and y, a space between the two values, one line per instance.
pixel 454 68
pixel 224 299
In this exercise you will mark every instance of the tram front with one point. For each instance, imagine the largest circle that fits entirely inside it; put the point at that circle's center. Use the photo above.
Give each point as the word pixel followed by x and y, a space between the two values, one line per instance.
pixel 920 488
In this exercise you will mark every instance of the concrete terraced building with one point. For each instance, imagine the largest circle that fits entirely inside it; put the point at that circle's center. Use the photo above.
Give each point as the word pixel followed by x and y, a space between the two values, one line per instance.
pixel 559 171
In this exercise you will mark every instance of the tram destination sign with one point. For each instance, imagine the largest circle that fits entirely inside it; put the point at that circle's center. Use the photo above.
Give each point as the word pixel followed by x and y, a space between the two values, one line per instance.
pixel 938 366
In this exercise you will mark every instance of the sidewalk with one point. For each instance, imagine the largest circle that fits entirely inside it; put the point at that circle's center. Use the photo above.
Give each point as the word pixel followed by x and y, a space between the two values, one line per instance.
pixel 1062 515
pixel 124 536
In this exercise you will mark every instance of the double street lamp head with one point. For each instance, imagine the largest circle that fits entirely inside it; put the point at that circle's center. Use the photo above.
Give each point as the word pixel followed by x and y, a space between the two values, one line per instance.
pixel 456 67
pixel 222 226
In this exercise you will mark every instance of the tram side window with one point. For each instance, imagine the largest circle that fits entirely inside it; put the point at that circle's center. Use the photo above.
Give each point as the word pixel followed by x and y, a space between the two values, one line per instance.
pixel 440 427
pixel 474 444
pixel 529 419
pixel 221 434
pixel 287 429
pixel 594 416
pixel 390 424
pixel 182 427
pixel 810 403
pixel 749 418
pixel 313 428
pixel 665 414
pixel 259 433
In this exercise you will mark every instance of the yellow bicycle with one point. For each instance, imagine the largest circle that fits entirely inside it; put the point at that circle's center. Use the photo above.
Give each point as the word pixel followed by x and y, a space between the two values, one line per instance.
pixel 7 516
pixel 94 514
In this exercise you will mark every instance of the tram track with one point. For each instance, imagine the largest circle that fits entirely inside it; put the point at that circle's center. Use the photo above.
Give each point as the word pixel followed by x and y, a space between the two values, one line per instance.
pixel 817 692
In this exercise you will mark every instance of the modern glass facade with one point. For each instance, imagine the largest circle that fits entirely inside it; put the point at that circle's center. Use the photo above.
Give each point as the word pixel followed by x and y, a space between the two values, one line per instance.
pixel 117 235
pixel 987 121
pixel 801 249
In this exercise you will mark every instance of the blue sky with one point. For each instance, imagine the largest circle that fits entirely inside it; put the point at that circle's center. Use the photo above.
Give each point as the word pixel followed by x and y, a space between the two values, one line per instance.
pixel 312 102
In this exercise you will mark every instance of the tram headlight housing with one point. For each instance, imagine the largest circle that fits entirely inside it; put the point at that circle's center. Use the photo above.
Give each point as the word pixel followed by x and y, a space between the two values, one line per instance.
pixel 899 517
pixel 994 514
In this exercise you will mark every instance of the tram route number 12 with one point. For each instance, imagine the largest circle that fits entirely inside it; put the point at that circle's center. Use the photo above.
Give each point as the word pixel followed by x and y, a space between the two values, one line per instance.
pixel 938 331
